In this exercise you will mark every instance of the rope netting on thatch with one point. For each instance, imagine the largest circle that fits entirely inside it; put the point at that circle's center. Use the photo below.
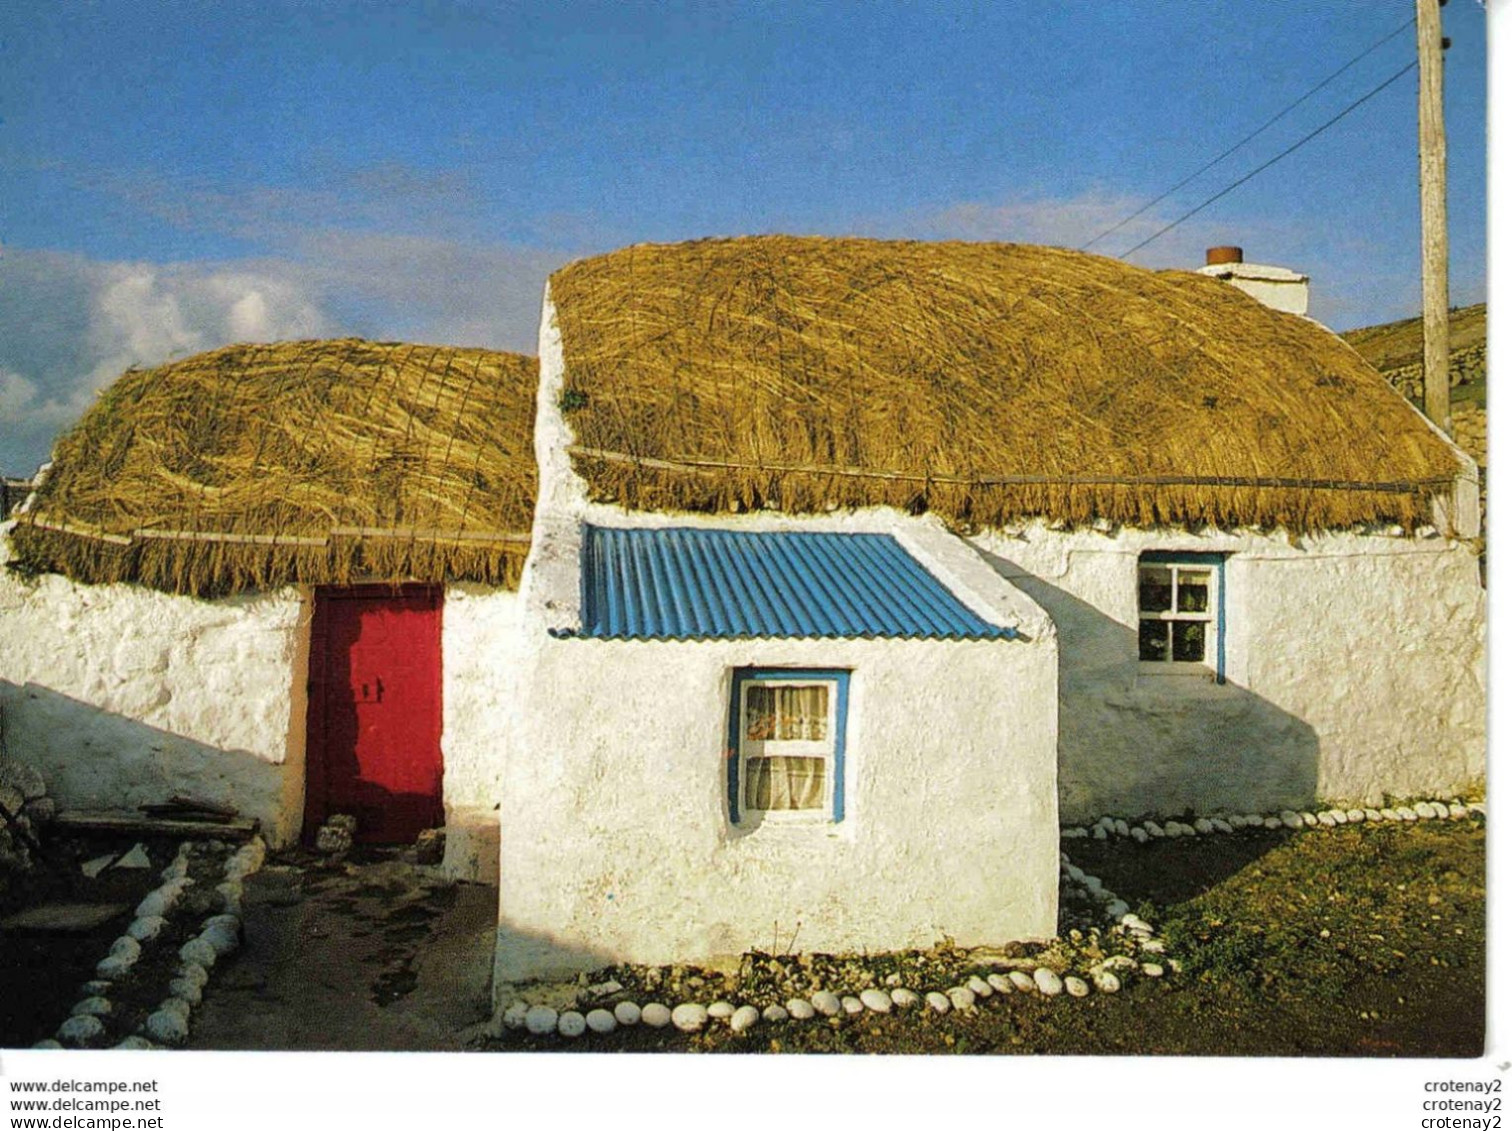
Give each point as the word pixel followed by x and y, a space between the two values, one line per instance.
pixel 325 462
pixel 985 382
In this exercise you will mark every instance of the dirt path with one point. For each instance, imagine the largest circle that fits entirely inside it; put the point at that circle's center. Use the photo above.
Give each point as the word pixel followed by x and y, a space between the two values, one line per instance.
pixel 367 956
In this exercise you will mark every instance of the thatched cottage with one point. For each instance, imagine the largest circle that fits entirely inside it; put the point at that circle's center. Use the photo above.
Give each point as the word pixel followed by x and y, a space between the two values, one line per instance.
pixel 847 571
pixel 270 578
pixel 1239 569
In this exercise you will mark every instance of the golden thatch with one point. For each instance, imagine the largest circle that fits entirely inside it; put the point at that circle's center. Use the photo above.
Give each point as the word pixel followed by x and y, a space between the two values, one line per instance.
pixel 313 462
pixel 986 382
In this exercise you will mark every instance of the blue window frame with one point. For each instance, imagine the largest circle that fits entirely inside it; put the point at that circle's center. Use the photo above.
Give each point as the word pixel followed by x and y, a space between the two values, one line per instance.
pixel 785 757
pixel 1182 621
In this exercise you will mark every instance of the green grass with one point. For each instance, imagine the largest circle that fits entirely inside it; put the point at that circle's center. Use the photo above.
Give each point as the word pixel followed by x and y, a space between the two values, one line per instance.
pixel 1367 940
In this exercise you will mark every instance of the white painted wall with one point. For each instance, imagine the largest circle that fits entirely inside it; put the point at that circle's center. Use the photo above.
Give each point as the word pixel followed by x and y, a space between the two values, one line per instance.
pixel 477 625
pixel 615 838
pixel 122 695
pixel 1356 669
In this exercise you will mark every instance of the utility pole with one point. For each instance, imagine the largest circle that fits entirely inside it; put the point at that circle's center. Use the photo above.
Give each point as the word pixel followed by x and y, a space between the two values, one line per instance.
pixel 1433 195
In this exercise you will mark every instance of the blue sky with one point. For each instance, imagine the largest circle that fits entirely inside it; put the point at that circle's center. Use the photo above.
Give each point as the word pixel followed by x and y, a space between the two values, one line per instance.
pixel 177 176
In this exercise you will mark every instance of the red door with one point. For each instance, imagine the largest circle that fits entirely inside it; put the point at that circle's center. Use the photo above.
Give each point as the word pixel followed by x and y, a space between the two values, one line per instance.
pixel 374 742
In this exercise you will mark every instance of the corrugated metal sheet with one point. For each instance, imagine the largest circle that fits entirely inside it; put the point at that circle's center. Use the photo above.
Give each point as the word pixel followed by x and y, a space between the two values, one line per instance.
pixel 689 584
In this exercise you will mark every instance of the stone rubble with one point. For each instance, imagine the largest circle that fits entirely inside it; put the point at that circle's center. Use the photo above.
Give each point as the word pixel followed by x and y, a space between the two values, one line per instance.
pixel 23 795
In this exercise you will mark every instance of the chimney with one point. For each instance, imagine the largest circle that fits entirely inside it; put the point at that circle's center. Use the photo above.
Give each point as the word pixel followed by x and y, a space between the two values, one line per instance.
pixel 1277 287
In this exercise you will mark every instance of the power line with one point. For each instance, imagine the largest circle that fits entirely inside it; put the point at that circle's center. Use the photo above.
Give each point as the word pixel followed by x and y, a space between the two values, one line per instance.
pixel 1247 138
pixel 1261 168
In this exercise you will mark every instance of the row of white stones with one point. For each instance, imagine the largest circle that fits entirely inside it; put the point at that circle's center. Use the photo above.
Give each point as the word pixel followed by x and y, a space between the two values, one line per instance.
pixel 1124 922
pixel 690 1017
pixel 1142 832
pixel 220 934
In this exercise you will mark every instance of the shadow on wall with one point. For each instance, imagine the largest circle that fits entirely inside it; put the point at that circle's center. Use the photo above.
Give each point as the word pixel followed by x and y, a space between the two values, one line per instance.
pixel 1133 744
pixel 97 759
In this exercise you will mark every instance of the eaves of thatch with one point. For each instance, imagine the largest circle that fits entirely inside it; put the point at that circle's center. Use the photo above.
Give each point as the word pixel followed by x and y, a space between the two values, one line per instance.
pixel 989 383
pixel 317 463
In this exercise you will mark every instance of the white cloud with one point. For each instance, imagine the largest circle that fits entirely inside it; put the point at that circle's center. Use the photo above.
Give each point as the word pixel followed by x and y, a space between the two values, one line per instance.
pixel 69 326
pixel 145 314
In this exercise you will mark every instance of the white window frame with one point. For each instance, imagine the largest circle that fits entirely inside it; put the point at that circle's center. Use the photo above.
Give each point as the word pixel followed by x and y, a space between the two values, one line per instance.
pixel 1212 618
pixel 830 748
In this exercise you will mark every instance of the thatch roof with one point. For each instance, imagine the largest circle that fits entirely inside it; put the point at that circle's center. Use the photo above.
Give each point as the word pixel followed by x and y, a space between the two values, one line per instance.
pixel 323 462
pixel 986 382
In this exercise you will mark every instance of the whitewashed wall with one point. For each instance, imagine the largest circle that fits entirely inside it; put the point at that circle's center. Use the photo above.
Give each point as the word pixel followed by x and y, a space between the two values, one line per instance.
pixel 615 839
pixel 478 624
pixel 1356 669
pixel 122 695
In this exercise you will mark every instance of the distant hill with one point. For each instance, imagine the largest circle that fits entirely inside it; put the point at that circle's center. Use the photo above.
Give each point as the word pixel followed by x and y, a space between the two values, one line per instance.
pixel 1396 349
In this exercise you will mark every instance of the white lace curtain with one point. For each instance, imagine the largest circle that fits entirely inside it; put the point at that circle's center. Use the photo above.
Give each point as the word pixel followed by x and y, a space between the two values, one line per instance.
pixel 786 714
pixel 784 782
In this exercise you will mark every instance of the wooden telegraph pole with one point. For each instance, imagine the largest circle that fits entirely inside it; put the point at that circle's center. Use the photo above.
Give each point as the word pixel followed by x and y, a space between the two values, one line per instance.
pixel 1433 195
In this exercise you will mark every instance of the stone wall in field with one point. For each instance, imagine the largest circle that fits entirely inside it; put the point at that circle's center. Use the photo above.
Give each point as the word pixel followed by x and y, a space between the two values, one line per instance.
pixel 1466 366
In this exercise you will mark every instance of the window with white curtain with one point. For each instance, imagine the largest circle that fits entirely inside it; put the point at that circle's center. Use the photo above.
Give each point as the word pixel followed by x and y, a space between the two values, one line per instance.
pixel 788 743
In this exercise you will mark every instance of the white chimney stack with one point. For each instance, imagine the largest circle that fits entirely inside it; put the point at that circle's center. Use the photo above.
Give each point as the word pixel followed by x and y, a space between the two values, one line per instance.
pixel 1276 287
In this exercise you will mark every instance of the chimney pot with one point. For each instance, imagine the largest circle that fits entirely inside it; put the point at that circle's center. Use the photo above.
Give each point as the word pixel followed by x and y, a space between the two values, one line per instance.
pixel 1217 255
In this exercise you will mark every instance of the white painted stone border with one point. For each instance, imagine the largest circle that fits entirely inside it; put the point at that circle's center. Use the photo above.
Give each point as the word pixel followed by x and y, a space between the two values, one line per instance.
pixel 1124 922
pixel 540 1019
pixel 220 935
pixel 1141 830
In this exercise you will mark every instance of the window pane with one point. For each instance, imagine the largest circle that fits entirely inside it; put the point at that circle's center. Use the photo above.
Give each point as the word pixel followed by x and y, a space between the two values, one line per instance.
pixel 761 713
pixel 1154 589
pixel 787 713
pixel 1190 636
pixel 1154 640
pixel 1192 590
pixel 784 782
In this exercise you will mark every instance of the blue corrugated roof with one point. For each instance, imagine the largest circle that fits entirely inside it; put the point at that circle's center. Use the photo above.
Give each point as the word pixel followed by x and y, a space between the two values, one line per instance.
pixel 689 584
